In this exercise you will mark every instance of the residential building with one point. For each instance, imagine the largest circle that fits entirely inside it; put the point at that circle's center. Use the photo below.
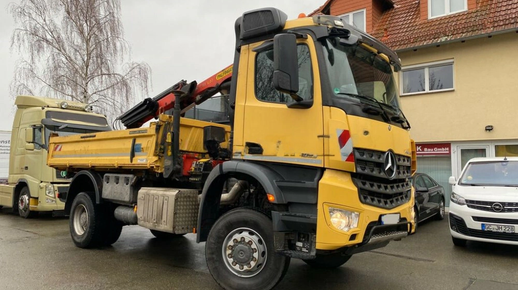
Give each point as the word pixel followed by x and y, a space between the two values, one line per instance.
pixel 459 81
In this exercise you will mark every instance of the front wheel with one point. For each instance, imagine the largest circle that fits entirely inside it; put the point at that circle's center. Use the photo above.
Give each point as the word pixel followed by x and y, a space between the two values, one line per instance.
pixel 24 204
pixel 328 261
pixel 85 222
pixel 240 252
pixel 442 211
pixel 458 242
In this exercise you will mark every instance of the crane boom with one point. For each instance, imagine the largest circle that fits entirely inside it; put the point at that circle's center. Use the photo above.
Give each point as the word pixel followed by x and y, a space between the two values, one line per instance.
pixel 190 94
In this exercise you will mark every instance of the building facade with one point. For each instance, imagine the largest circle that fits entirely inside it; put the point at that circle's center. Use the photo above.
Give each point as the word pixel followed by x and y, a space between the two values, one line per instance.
pixel 458 84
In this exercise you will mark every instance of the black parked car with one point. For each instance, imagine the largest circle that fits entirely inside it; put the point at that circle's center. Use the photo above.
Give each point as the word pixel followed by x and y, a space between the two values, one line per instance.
pixel 429 198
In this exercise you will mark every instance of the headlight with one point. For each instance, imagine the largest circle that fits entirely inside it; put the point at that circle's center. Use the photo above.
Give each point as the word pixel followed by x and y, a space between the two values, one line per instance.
pixel 49 190
pixel 343 220
pixel 457 199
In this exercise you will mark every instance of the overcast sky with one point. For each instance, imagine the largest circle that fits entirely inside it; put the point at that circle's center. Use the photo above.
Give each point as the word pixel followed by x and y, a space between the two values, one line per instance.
pixel 188 40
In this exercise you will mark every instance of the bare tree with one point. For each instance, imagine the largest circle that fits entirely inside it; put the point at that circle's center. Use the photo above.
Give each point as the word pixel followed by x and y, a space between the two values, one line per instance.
pixel 74 49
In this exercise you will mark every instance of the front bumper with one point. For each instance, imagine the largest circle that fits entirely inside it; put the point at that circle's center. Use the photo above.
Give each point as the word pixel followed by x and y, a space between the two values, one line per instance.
pixel 466 223
pixel 337 190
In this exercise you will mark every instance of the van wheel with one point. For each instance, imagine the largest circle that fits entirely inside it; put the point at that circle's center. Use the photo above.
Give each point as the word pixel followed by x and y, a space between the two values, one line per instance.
pixel 85 222
pixel 165 236
pixel 24 204
pixel 458 242
pixel 240 252
pixel 328 261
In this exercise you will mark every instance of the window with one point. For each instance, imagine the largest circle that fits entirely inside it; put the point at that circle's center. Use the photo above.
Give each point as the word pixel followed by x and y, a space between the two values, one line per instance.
pixel 438 8
pixel 37 140
pixel 264 89
pixel 215 109
pixel 506 150
pixel 356 19
pixel 427 78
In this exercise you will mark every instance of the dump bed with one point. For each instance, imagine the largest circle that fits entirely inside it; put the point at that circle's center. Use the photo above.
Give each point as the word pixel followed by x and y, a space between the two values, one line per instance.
pixel 132 149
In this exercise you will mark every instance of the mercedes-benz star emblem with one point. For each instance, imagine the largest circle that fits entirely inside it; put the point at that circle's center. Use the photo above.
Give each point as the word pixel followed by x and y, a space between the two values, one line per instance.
pixel 389 164
pixel 498 207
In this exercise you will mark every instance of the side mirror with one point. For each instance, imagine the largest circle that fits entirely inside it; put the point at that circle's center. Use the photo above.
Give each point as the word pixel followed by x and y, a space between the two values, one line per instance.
pixel 421 189
pixel 286 69
pixel 452 180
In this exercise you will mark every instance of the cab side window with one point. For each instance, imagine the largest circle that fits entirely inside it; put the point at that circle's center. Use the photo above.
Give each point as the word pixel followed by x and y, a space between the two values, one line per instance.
pixel 264 89
pixel 37 137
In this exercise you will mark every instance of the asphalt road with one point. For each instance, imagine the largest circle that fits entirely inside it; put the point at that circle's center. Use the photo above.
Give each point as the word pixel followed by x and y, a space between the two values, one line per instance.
pixel 39 254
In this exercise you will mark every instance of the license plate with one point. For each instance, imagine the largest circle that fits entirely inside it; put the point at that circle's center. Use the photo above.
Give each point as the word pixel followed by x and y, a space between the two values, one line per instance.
pixel 390 219
pixel 498 228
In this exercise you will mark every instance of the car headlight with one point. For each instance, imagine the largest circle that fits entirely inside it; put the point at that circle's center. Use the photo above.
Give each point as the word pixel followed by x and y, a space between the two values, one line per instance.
pixel 457 199
pixel 49 190
pixel 343 220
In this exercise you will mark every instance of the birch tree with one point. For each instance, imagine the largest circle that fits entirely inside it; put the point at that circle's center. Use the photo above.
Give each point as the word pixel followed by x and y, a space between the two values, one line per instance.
pixel 74 50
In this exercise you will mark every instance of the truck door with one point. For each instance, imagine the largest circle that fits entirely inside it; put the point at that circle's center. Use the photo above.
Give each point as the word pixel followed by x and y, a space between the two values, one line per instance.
pixel 34 161
pixel 271 129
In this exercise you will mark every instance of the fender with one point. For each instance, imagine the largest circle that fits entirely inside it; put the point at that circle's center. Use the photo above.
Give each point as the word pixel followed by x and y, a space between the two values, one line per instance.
pixel 84 181
pixel 211 194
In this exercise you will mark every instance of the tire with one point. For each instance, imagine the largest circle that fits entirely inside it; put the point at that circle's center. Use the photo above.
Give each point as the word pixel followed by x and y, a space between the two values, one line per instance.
pixel 458 242
pixel 165 236
pixel 442 211
pixel 113 227
pixel 328 261
pixel 85 222
pixel 24 204
pixel 240 252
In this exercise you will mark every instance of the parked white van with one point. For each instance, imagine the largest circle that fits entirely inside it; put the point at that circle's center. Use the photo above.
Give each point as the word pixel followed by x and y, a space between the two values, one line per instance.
pixel 484 202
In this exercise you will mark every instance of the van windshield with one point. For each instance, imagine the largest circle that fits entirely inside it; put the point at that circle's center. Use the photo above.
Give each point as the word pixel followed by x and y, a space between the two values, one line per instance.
pixel 491 173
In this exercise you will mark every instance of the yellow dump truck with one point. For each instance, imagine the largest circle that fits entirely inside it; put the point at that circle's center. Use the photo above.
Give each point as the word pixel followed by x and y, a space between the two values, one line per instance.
pixel 32 186
pixel 314 163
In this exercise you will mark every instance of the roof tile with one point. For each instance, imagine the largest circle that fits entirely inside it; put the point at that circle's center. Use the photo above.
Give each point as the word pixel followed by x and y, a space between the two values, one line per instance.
pixel 401 27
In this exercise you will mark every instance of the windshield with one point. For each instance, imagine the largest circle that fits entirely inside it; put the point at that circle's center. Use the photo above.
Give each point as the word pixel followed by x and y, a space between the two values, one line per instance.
pixel 357 73
pixel 495 173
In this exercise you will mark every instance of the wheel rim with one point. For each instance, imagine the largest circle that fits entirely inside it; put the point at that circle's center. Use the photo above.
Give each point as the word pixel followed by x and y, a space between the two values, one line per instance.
pixel 244 252
pixel 81 221
pixel 23 203
pixel 442 211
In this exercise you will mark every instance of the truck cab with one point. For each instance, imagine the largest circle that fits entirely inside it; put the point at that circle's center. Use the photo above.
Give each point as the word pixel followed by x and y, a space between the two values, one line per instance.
pixel 32 186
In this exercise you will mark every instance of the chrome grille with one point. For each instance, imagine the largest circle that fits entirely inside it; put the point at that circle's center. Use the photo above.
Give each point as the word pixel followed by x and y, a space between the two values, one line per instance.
pixel 370 162
pixel 488 206
pixel 374 187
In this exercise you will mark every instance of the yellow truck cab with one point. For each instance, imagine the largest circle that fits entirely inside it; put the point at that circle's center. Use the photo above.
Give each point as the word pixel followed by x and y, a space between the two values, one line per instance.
pixel 314 165
pixel 32 186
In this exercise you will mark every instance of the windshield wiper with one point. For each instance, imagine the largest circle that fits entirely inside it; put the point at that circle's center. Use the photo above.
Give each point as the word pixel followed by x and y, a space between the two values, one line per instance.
pixel 403 121
pixel 370 110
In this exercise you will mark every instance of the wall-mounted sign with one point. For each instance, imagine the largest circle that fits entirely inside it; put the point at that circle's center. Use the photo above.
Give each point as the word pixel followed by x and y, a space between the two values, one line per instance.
pixel 441 149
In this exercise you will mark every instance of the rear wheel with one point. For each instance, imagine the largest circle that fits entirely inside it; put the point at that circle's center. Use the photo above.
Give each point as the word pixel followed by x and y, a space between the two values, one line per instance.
pixel 240 252
pixel 165 236
pixel 458 242
pixel 24 204
pixel 85 222
pixel 112 228
pixel 328 261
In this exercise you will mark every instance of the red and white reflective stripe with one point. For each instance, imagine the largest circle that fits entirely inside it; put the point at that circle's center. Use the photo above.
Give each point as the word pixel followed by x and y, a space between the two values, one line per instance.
pixel 57 148
pixel 346 145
